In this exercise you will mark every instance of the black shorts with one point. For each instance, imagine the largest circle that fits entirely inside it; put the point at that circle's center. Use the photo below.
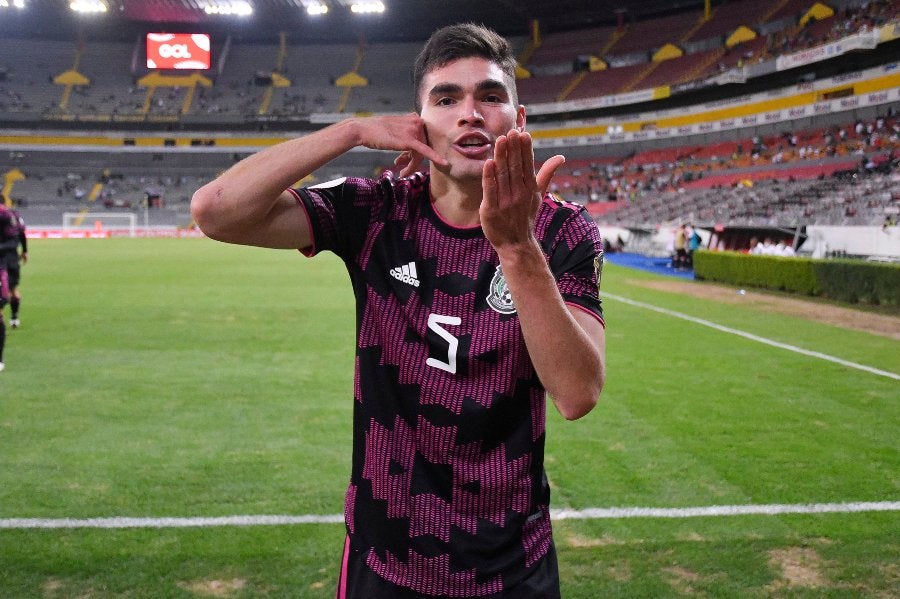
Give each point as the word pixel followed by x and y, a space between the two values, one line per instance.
pixel 4 287
pixel 357 581
pixel 13 277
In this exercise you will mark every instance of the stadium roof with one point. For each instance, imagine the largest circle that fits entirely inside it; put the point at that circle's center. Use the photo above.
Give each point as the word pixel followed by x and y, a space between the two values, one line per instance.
pixel 403 20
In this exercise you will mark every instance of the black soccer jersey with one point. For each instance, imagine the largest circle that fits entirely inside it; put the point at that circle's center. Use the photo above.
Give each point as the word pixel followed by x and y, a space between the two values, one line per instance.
pixel 448 494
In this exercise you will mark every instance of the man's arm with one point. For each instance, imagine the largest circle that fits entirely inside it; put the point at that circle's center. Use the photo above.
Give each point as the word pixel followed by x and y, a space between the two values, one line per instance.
pixel 249 204
pixel 23 241
pixel 567 345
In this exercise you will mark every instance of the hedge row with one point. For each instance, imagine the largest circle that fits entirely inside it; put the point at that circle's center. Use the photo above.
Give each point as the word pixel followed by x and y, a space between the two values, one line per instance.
pixel 853 281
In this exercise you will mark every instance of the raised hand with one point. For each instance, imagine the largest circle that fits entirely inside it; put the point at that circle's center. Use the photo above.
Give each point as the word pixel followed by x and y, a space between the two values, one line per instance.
pixel 407 163
pixel 511 191
pixel 405 133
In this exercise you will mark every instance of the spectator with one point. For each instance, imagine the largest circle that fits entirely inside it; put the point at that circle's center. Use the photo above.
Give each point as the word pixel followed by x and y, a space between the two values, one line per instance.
pixel 694 242
pixel 681 257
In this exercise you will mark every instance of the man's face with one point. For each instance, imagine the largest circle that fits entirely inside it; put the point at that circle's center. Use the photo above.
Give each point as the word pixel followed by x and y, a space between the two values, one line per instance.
pixel 466 105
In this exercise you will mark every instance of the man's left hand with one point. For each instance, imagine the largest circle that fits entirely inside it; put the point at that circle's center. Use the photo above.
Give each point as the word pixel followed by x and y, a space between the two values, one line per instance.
pixel 512 192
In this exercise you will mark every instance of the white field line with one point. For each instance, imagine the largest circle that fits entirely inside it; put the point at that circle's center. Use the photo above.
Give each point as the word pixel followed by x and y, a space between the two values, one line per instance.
pixel 753 337
pixel 557 514
pixel 726 510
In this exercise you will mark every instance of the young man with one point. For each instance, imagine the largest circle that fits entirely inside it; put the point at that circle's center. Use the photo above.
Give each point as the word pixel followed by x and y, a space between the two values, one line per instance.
pixel 9 242
pixel 476 294
pixel 11 260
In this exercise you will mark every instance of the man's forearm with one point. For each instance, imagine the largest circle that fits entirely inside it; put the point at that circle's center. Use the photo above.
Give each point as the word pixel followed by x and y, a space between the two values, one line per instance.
pixel 569 362
pixel 248 203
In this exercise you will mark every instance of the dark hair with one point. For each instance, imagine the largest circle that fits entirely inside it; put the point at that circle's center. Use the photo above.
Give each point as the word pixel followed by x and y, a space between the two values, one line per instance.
pixel 464 40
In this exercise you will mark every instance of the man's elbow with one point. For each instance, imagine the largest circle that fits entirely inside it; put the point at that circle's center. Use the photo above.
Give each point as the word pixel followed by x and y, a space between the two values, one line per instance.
pixel 203 210
pixel 577 405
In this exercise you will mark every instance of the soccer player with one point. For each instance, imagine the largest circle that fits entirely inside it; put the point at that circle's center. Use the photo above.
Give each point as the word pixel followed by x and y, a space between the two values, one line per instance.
pixel 11 260
pixel 477 294
pixel 9 242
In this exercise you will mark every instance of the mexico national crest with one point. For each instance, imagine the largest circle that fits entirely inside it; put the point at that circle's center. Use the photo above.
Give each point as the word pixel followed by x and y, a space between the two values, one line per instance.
pixel 499 298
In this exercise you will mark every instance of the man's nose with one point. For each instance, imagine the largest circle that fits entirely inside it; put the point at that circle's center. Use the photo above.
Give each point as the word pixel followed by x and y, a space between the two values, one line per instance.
pixel 469 112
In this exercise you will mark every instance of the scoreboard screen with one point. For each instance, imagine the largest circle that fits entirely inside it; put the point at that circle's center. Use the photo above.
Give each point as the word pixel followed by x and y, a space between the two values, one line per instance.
pixel 178 51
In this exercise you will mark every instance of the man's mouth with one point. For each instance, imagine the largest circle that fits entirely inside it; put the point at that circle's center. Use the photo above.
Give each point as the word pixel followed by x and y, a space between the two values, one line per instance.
pixel 473 145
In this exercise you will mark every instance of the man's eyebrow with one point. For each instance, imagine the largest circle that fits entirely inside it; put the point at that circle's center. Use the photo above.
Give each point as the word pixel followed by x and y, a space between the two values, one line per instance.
pixel 491 85
pixel 445 88
pixel 455 88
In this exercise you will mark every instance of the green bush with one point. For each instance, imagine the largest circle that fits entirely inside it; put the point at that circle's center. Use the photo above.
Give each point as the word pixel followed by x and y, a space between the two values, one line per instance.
pixel 854 281
pixel 851 281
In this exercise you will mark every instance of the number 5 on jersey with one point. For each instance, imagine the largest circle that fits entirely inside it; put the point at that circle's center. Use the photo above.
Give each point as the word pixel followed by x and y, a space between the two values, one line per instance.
pixel 434 323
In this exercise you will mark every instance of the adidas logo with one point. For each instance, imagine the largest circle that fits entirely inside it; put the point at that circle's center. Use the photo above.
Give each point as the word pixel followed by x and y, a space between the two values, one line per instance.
pixel 406 274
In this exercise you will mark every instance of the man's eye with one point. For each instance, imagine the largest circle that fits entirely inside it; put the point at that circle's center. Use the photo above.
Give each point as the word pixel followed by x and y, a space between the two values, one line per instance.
pixel 494 99
pixel 445 102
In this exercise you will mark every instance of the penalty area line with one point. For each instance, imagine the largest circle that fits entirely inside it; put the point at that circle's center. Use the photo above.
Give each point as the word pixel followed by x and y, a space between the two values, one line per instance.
pixel 556 514
pixel 752 337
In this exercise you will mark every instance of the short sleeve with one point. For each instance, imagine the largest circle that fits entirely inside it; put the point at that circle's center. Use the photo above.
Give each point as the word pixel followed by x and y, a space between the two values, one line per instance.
pixel 576 258
pixel 339 214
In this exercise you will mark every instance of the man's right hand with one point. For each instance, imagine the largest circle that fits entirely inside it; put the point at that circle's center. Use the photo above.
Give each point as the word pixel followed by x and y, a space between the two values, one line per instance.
pixel 405 133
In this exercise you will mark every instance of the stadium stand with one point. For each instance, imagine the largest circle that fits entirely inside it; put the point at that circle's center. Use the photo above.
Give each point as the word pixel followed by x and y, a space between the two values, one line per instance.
pixel 825 170
pixel 860 200
pixel 725 19
pixel 561 66
pixel 564 48
pixel 645 36
pixel 777 28
pixel 386 86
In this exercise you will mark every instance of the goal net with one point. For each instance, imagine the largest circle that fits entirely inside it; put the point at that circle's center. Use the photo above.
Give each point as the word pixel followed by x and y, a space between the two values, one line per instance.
pixel 125 222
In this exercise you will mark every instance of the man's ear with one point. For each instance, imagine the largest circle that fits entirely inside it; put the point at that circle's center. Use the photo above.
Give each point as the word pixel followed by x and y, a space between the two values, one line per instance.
pixel 520 118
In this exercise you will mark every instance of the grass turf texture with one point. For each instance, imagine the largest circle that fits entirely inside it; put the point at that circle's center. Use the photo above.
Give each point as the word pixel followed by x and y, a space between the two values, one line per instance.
pixel 156 378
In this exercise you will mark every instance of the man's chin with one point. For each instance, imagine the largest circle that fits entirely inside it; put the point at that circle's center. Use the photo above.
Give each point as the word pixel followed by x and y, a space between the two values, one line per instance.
pixel 470 169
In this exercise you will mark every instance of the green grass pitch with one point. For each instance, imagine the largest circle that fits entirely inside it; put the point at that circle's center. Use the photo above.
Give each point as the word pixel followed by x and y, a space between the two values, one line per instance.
pixel 186 378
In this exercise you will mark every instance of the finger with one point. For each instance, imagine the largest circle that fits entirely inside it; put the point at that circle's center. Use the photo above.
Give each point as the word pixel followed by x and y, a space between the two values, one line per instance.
pixel 415 160
pixel 514 152
pixel 402 159
pixel 426 151
pixel 501 158
pixel 548 169
pixel 402 162
pixel 527 152
pixel 489 184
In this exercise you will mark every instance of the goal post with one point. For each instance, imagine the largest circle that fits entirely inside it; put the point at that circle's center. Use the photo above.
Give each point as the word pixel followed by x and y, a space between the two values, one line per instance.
pixel 90 221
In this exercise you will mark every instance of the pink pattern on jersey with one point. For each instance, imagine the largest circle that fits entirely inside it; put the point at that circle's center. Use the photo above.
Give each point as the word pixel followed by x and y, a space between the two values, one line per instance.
pixel 503 483
pixel 432 456
pixel 388 332
pixel 440 580
pixel 349 506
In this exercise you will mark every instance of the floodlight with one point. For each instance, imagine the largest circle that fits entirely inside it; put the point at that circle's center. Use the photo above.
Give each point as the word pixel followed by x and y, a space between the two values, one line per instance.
pixel 88 6
pixel 12 3
pixel 315 7
pixel 239 8
pixel 367 7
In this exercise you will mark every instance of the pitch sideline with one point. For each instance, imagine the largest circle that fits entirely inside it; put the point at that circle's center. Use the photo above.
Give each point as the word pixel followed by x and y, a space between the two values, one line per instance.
pixel 558 514
pixel 752 337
